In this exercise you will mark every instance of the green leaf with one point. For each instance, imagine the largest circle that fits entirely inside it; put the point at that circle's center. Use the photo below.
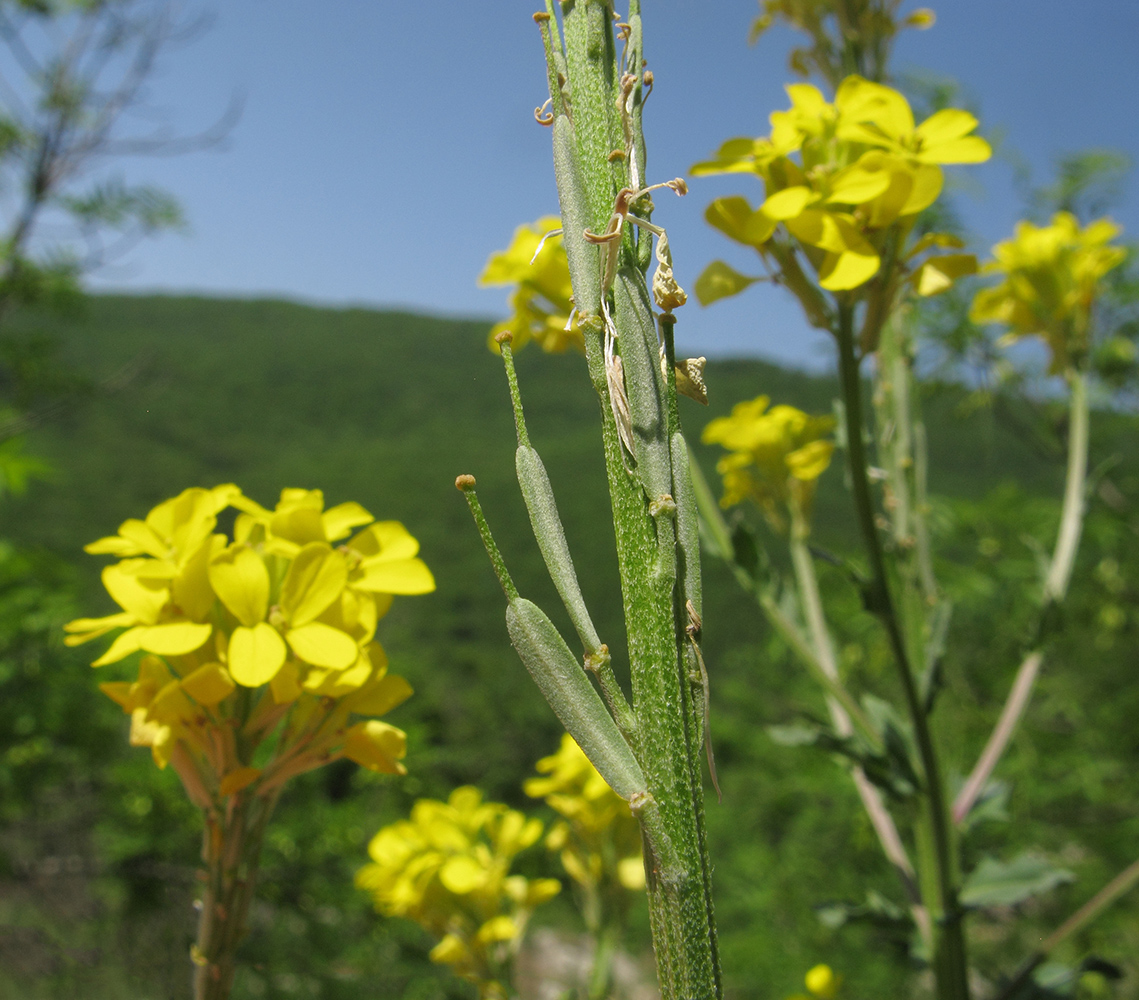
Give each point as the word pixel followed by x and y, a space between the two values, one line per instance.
pixel 999 883
pixel 720 281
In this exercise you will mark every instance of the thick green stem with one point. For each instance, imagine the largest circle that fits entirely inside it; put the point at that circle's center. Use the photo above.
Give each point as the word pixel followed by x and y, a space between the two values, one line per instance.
pixel 644 497
pixel 949 959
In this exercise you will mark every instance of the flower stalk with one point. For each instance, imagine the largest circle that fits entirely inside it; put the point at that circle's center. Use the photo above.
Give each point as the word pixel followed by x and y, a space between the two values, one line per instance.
pixel 936 849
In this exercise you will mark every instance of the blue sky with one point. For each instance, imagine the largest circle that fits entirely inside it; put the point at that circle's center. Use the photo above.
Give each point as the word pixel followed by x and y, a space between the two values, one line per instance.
pixel 386 148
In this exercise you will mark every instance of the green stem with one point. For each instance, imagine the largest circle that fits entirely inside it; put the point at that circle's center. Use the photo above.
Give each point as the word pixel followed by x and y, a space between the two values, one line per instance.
pixel 1055 590
pixel 1072 518
pixel 231 850
pixel 642 492
pixel 950 962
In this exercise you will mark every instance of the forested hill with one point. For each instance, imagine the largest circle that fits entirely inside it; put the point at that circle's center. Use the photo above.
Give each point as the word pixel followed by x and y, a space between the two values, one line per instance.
pixel 381 407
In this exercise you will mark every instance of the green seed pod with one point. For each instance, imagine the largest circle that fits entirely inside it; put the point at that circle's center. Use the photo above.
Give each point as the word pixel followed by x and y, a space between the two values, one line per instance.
pixel 573 698
pixel 547 525
pixel 585 270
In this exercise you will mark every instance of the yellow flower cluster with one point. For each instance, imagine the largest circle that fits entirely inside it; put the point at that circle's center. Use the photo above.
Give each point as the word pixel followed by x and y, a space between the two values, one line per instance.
pixel 277 605
pixel 542 301
pixel 776 457
pixel 1052 274
pixel 864 169
pixel 599 840
pixel 448 869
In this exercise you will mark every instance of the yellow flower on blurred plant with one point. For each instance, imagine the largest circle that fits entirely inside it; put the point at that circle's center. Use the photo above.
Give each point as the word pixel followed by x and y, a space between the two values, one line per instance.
pixel 599 841
pixel 776 457
pixel 821 983
pixel 278 606
pixel 542 301
pixel 1051 278
pixel 448 869
pixel 863 168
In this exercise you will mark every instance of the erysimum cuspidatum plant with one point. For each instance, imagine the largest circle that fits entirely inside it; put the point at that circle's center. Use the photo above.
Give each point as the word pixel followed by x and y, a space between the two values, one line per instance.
pixel 258 662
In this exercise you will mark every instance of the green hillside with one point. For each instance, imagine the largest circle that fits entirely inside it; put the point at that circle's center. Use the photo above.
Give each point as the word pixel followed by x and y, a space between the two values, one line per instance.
pixel 386 409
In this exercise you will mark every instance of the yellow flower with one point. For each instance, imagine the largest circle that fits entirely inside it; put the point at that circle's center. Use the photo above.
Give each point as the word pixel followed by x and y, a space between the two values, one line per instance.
pixel 447 867
pixel 822 982
pixel 776 456
pixel 160 580
pixel 1052 275
pixel 600 842
pixel 278 606
pixel 863 167
pixel 542 301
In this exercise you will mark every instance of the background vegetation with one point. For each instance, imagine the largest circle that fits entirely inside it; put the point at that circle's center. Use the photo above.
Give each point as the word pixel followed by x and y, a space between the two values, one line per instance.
pixel 98 849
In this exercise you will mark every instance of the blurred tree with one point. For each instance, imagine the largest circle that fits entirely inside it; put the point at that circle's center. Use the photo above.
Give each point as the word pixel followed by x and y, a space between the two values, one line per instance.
pixel 73 76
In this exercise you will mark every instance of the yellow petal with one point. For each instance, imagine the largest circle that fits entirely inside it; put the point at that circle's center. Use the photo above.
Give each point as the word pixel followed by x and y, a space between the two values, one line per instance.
pixel 339 521
pixel 401 576
pixel 209 684
pixel 389 539
pixel 376 746
pixel 944 125
pixel 971 149
pixel 810 461
pixel 255 654
pixel 500 928
pixel 462 874
pixel 113 545
pixel 927 182
pixel 124 645
pixel 841 272
pixel 240 579
pixel 382 696
pixel 736 219
pixel 937 274
pixel 449 951
pixel 119 692
pixel 236 780
pixel 174 638
pixel 859 183
pixel 315 579
pixel 285 684
pixel 788 203
pixel 191 588
pixel 98 626
pixel 322 645
pixel 143 598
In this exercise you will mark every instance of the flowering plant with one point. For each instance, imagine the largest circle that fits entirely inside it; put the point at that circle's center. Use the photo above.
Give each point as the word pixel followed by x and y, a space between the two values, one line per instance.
pixel 448 869
pixel 259 663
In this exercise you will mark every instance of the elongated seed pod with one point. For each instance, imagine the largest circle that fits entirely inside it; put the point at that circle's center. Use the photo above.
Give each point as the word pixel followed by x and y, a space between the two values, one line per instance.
pixel 573 698
pixel 584 268
pixel 547 525
pixel 641 357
